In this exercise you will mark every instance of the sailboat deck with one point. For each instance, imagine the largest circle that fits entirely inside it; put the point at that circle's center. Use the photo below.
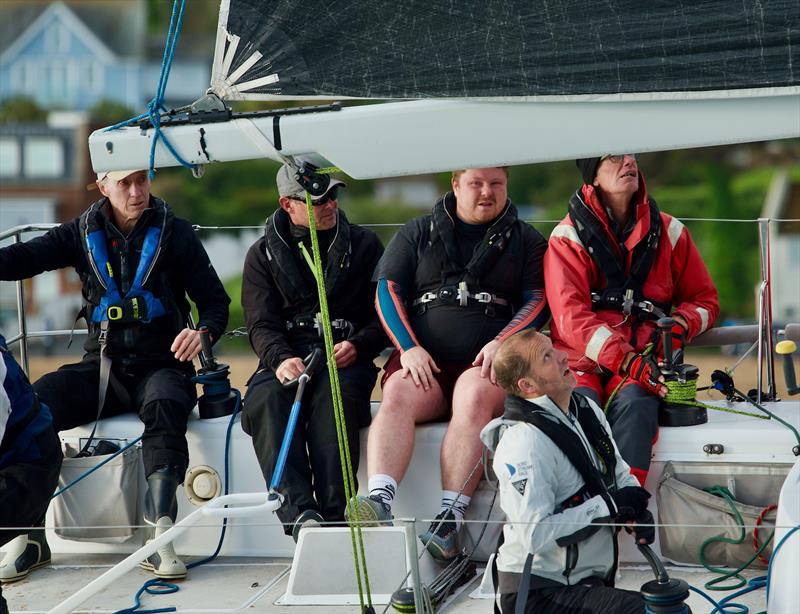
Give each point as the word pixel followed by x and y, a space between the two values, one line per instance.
pixel 245 584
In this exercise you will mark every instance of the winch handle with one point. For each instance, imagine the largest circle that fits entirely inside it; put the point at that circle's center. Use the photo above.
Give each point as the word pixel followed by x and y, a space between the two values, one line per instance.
pixel 786 348
pixel 665 326
pixel 659 571
pixel 206 354
pixel 313 362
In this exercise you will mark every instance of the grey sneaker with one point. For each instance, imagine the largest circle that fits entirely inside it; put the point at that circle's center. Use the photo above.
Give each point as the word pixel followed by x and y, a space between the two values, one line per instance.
pixel 369 511
pixel 440 538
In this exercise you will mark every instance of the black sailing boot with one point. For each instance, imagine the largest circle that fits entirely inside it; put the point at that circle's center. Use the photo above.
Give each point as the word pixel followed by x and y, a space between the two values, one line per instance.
pixel 160 510
pixel 24 554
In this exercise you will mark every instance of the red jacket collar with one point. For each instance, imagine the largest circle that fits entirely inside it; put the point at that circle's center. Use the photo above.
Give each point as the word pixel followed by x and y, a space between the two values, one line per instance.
pixel 641 201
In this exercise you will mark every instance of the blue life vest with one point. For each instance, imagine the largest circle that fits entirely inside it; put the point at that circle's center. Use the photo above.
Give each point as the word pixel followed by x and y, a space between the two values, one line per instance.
pixel 139 304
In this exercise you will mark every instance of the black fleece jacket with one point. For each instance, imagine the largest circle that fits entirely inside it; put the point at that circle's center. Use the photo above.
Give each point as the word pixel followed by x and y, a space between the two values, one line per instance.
pixel 183 269
pixel 268 306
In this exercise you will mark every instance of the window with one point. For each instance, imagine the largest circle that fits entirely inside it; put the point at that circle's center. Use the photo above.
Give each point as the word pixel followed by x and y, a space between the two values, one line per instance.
pixel 9 157
pixel 44 157
pixel 57 38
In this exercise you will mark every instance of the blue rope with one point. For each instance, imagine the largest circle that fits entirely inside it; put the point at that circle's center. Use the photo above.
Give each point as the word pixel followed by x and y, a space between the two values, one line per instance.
pixel 95 468
pixel 167 587
pixel 151 587
pixel 156 105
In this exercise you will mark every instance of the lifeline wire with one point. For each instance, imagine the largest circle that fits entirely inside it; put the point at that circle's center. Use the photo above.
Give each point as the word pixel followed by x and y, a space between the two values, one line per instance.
pixel 359 557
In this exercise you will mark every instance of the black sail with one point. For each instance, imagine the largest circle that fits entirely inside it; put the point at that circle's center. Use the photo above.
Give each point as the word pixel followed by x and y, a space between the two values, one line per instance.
pixel 504 48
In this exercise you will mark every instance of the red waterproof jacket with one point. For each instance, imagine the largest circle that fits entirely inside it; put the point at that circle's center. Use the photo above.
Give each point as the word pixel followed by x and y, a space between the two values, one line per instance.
pixel 603 337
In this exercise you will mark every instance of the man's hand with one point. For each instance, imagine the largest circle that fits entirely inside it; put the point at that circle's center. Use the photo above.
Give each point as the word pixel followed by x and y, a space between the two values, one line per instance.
pixel 643 527
pixel 290 369
pixel 630 501
pixel 345 354
pixel 678 334
pixel 485 359
pixel 186 345
pixel 420 366
pixel 644 370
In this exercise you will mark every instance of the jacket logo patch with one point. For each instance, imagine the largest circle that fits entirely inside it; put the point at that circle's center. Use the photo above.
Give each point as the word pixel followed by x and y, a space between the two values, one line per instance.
pixel 511 470
pixel 520 485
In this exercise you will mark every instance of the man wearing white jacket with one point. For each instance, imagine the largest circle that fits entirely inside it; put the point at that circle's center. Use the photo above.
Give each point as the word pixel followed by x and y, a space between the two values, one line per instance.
pixel 562 481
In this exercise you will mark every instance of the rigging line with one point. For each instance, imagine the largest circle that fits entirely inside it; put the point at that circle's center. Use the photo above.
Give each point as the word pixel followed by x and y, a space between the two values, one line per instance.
pixel 359 557
pixel 450 509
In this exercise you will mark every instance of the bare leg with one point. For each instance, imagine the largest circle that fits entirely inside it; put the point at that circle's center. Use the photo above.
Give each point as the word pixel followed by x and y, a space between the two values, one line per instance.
pixel 475 402
pixel 391 436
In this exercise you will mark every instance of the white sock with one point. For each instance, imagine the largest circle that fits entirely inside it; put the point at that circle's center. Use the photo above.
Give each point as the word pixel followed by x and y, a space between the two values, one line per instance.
pixel 384 487
pixel 455 503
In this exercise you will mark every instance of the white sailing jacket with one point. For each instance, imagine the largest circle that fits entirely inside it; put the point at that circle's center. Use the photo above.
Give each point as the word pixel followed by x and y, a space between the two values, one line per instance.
pixel 535 477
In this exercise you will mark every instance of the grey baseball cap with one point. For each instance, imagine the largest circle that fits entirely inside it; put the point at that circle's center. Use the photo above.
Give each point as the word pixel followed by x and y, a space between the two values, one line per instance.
pixel 288 186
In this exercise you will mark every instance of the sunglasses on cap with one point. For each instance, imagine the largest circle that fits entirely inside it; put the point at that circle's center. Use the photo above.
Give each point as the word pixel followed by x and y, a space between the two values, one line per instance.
pixel 617 158
pixel 330 195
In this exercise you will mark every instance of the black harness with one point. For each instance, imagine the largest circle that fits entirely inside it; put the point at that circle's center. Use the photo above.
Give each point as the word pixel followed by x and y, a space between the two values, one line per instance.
pixel 623 291
pixel 460 284
pixel 596 481
pixel 284 265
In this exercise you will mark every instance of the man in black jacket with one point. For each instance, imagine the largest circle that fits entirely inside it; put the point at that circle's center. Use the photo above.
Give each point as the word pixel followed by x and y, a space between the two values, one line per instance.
pixel 279 297
pixel 137 263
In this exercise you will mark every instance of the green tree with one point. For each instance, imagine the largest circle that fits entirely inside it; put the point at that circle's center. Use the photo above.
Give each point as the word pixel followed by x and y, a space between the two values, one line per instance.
pixel 21 109
pixel 108 112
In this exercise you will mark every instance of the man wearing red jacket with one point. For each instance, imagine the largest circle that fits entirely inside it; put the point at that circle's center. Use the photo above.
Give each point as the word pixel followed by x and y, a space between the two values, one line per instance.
pixel 614 265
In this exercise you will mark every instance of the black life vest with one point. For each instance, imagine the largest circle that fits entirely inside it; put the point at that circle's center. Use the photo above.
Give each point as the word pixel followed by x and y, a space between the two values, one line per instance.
pixel 105 301
pixel 597 481
pixel 285 266
pixel 623 291
pixel 440 267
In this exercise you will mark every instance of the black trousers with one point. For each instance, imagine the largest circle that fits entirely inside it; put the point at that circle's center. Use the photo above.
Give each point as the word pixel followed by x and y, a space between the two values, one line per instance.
pixel 26 489
pixel 162 396
pixel 633 416
pixel 594 598
pixel 312 478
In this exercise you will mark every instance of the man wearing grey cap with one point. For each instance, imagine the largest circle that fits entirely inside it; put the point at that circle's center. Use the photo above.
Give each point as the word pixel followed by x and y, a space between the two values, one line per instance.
pixel 138 263
pixel 281 308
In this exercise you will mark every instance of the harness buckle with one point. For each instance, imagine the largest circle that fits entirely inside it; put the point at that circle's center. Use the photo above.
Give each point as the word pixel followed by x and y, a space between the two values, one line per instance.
pixel 463 294
pixel 483 297
pixel 627 302
pixel 448 295
pixel 646 306
pixel 114 312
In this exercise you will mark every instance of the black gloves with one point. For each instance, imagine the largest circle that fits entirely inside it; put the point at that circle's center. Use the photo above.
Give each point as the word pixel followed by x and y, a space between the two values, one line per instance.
pixel 646 533
pixel 629 503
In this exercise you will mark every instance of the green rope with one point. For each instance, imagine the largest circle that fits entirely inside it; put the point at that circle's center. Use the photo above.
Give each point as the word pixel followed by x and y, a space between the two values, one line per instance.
pixel 740 581
pixel 336 396
pixel 681 393
pixel 685 393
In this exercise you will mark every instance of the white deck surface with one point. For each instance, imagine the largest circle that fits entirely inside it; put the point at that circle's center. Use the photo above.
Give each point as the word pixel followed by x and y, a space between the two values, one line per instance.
pixel 240 584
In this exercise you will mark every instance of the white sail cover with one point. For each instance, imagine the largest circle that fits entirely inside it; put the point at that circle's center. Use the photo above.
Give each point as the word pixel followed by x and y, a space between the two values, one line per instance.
pixel 529 49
